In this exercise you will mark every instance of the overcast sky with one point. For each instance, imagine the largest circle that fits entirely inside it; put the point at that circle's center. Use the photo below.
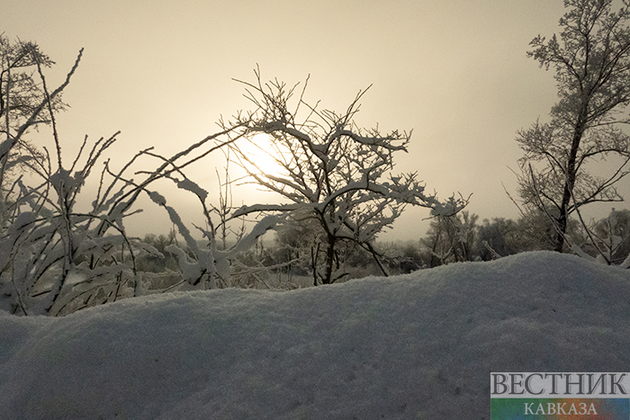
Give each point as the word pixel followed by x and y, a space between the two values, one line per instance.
pixel 454 71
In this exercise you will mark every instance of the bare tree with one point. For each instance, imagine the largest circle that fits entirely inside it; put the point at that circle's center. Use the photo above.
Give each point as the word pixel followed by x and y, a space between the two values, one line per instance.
pixel 591 59
pixel 23 106
pixel 57 257
pixel 452 238
pixel 608 239
pixel 329 171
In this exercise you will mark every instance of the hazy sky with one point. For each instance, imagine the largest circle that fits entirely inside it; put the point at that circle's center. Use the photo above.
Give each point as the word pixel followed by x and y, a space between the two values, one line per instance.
pixel 454 71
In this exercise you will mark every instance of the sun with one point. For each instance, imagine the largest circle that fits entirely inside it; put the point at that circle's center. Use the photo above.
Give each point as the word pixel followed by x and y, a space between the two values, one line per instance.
pixel 260 155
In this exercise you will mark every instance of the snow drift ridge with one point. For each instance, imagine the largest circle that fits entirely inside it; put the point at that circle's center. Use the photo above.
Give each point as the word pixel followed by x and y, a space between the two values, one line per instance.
pixel 415 346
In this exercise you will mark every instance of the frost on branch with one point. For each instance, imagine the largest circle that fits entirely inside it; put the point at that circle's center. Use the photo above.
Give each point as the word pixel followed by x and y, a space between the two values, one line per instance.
pixel 56 256
pixel 56 259
pixel 562 168
pixel 330 173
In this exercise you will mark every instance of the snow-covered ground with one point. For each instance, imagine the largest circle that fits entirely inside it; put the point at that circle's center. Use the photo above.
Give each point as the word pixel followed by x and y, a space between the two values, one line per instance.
pixel 419 346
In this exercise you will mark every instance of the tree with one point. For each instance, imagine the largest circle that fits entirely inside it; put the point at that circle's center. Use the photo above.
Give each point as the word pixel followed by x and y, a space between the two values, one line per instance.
pixel 608 240
pixel 160 260
pixel 331 172
pixel 496 238
pixel 41 239
pixel 57 256
pixel 24 105
pixel 22 87
pixel 294 241
pixel 451 238
pixel 591 59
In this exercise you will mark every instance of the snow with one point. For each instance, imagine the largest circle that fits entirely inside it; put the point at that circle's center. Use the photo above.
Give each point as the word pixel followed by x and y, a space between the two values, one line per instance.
pixel 193 187
pixel 419 346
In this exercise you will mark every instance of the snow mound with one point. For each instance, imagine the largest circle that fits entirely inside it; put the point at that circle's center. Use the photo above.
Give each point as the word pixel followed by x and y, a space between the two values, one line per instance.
pixel 419 346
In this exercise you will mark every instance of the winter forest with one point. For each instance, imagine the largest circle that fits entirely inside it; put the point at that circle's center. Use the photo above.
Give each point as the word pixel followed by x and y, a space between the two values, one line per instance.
pixel 335 183
pixel 333 190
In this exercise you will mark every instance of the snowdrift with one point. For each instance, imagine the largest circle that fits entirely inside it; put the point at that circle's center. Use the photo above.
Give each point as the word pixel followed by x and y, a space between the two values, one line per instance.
pixel 419 346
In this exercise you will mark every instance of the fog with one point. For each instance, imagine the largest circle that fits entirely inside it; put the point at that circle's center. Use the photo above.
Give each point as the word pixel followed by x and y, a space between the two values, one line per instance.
pixel 455 72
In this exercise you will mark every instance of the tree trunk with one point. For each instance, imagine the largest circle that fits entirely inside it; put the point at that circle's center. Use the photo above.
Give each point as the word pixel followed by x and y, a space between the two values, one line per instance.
pixel 569 182
pixel 330 259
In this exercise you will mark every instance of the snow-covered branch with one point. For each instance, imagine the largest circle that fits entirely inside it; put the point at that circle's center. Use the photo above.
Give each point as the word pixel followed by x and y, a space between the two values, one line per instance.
pixel 330 171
